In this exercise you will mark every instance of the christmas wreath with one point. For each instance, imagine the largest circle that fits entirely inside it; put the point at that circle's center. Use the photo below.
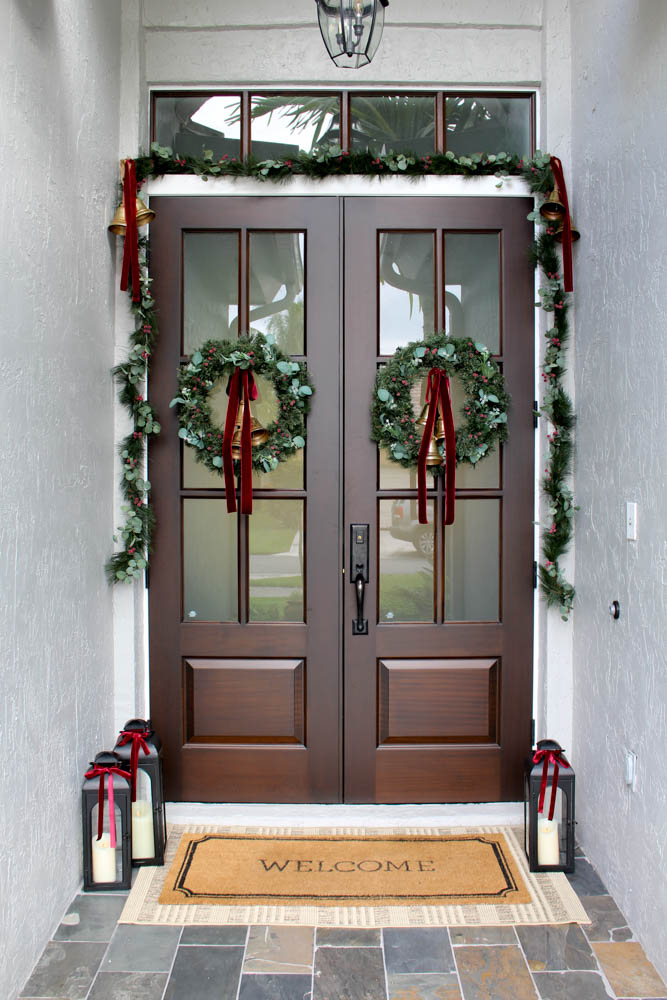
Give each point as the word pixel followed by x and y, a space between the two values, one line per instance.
pixel 483 422
pixel 241 446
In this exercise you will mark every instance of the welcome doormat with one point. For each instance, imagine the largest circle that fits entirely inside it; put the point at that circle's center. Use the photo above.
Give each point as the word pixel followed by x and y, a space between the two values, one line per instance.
pixel 550 897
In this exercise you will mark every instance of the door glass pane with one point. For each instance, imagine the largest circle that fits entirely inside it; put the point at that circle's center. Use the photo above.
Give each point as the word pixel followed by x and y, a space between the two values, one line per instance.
pixel 472 562
pixel 192 124
pixel 288 475
pixel 472 287
pixel 277 288
pixel 486 473
pixel 403 123
pixel 276 561
pixel 283 126
pixel 210 288
pixel 406 563
pixel 210 589
pixel 488 124
pixel 407 286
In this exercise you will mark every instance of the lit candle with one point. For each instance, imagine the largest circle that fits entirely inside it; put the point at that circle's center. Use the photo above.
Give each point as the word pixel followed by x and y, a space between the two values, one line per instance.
pixel 548 851
pixel 104 859
pixel 143 844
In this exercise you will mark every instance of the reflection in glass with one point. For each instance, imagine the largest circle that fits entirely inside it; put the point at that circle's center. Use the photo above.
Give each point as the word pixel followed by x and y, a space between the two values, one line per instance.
pixel 404 123
pixel 472 289
pixel 406 289
pixel 210 589
pixel 192 124
pixel 277 288
pixel 276 561
pixel 488 124
pixel 210 288
pixel 406 563
pixel 283 126
pixel 486 473
pixel 472 562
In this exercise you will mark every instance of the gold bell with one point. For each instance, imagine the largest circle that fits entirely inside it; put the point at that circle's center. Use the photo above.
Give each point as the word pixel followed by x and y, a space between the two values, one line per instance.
pixel 553 209
pixel 439 432
pixel 258 434
pixel 119 222
pixel 433 456
pixel 423 416
pixel 576 235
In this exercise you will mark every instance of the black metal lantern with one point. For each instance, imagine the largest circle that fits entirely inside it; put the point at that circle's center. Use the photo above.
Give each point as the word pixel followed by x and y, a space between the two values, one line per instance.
pixel 105 801
pixel 548 809
pixel 140 749
pixel 351 29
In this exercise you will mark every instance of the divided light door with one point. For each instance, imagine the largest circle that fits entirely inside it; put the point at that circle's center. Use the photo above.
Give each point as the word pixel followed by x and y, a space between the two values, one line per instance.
pixel 259 689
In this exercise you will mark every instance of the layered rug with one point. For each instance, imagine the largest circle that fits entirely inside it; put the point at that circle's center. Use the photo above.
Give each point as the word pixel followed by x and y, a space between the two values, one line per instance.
pixel 348 878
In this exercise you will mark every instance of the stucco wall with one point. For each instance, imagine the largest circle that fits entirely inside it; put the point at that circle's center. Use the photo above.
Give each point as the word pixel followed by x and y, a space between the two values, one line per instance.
pixel 620 691
pixel 58 163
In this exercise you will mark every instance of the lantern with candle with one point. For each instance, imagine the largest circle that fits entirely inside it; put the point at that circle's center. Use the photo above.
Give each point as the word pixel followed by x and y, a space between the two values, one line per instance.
pixel 140 749
pixel 548 809
pixel 106 825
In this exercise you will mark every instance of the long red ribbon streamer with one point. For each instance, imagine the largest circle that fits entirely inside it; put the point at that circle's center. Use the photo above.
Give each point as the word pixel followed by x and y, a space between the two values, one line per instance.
pixel 138 741
pixel 438 395
pixel 130 267
pixel 241 383
pixel 558 760
pixel 557 170
pixel 101 772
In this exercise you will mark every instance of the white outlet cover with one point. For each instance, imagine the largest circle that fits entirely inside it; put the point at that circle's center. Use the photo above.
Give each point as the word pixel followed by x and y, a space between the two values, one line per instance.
pixel 631 521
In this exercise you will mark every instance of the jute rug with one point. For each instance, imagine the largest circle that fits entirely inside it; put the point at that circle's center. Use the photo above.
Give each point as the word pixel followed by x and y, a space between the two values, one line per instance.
pixel 348 877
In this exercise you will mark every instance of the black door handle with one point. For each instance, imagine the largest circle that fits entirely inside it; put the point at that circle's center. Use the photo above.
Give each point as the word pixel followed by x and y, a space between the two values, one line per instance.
pixel 359 560
pixel 360 626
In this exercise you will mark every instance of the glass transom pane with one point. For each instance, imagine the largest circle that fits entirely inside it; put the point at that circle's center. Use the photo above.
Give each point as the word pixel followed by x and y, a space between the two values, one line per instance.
pixel 472 287
pixel 210 584
pixel 406 563
pixel 488 124
pixel 282 125
pixel 276 561
pixel 393 122
pixel 210 288
pixel 407 288
pixel 277 287
pixel 190 124
pixel 472 562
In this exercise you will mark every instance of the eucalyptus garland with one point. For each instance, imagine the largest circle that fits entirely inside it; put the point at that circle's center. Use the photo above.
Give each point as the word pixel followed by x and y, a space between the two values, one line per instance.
pixel 484 414
pixel 219 359
pixel 556 405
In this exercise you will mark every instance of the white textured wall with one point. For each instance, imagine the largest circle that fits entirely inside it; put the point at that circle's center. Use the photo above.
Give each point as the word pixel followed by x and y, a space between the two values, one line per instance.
pixel 58 164
pixel 620 692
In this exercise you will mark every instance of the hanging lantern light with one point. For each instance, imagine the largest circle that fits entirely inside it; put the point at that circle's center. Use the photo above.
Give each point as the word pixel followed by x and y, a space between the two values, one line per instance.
pixel 351 29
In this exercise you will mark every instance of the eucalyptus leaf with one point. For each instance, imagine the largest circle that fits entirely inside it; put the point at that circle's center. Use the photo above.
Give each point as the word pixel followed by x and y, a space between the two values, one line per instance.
pixel 305 390
pixel 383 395
pixel 183 433
pixel 197 358
pixel 217 461
pixel 298 441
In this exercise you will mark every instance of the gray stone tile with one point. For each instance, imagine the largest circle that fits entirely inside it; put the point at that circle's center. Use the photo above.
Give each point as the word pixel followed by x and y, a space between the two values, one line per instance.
pixel 91 918
pixel 482 935
pixel 607 921
pixel 424 986
pixel 418 949
pixel 350 973
pixel 66 969
pixel 258 987
pixel 571 986
pixel 489 973
pixel 144 948
pixel 348 937
pixel 128 986
pixel 278 949
pixel 585 880
pixel 232 935
pixel 204 972
pixel 556 948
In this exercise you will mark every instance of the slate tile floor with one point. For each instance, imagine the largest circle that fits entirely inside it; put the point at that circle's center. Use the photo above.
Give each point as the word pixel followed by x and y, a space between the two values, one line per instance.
pixel 91 957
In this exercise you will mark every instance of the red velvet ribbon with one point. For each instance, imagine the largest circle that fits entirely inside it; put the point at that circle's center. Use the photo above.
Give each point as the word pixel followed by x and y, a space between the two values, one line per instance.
pixel 101 772
pixel 241 383
pixel 558 760
pixel 438 396
pixel 138 741
pixel 131 245
pixel 557 170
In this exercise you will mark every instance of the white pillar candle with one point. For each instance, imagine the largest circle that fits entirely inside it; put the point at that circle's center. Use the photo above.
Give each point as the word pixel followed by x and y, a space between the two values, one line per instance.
pixel 104 859
pixel 143 844
pixel 548 851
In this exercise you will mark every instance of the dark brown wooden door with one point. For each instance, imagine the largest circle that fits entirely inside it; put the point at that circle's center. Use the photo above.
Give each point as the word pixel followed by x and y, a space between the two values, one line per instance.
pixel 258 687
pixel 438 694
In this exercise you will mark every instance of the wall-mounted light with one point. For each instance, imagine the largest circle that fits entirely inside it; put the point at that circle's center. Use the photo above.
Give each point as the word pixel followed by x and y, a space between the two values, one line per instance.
pixel 351 29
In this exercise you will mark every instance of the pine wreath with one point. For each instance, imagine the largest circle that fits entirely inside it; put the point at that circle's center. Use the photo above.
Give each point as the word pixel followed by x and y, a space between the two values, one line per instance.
pixel 220 359
pixel 483 421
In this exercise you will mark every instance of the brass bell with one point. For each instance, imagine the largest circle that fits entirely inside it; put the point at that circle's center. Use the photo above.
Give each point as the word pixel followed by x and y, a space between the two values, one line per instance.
pixel 576 235
pixel 118 223
pixel 553 209
pixel 433 456
pixel 258 434
pixel 439 431
pixel 423 416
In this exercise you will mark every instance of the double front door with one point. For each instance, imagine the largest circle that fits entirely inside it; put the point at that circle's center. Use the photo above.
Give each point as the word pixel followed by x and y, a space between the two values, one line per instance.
pixel 260 689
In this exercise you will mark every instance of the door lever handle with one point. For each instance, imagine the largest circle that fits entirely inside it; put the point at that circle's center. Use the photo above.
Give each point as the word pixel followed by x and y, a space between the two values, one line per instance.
pixel 360 624
pixel 359 559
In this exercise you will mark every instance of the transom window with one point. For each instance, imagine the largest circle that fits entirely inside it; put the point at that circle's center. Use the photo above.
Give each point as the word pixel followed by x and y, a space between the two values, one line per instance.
pixel 280 125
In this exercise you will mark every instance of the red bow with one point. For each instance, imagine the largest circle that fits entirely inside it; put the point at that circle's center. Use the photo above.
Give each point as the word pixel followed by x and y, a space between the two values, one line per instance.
pixel 102 772
pixel 131 245
pixel 557 170
pixel 556 758
pixel 438 395
pixel 138 742
pixel 242 381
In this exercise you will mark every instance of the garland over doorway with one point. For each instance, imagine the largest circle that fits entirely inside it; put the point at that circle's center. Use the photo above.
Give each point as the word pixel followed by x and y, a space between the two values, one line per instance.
pixel 543 175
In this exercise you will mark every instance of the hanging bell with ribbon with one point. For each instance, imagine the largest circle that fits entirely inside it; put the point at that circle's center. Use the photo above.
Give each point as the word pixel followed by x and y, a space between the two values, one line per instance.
pixel 433 456
pixel 553 210
pixel 576 235
pixel 258 433
pixel 145 215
